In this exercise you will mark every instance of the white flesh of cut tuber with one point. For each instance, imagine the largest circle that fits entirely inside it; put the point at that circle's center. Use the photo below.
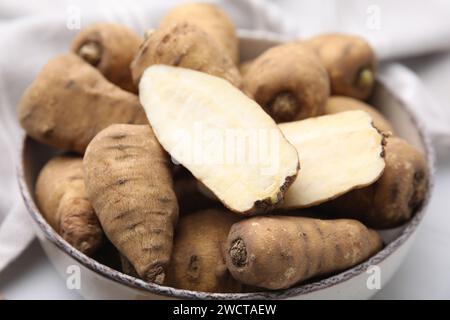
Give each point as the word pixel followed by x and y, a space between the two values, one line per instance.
pixel 219 134
pixel 337 152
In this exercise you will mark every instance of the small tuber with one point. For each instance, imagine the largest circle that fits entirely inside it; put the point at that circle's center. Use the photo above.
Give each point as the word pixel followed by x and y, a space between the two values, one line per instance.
pixel 350 62
pixel 212 20
pixel 61 197
pixel 109 47
pixel 288 81
pixel 185 45
pixel 70 102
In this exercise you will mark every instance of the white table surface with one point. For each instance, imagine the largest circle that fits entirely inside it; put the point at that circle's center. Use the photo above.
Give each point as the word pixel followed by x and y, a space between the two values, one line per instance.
pixel 425 274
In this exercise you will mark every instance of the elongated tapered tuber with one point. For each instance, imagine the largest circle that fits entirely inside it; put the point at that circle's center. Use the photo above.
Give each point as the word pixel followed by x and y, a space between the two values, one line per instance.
pixel 70 102
pixel 130 187
pixel 288 81
pixel 276 252
pixel 350 62
pixel 212 20
pixel 109 47
pixel 198 261
pixel 62 199
pixel 395 197
pixel 185 45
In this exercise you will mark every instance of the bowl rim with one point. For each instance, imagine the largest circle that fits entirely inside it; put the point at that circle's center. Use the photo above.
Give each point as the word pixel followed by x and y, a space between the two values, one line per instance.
pixel 302 289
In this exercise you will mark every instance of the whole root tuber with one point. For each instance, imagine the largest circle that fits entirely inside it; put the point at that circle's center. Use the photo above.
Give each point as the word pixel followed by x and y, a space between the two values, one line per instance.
pixel 276 252
pixel 109 47
pixel 350 62
pixel 212 20
pixel 70 102
pixel 288 81
pixel 129 183
pixel 61 197
pixel 185 45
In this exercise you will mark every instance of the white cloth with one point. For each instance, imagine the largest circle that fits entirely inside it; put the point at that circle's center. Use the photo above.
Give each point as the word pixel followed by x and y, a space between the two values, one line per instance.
pixel 31 32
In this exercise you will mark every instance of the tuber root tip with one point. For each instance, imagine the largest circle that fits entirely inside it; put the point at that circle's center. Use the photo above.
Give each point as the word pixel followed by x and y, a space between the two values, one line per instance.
pixel 284 107
pixel 156 275
pixel 366 78
pixel 90 52
pixel 238 253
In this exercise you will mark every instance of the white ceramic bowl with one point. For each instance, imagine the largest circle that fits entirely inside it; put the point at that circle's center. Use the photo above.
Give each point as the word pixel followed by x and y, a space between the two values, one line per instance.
pixel 101 282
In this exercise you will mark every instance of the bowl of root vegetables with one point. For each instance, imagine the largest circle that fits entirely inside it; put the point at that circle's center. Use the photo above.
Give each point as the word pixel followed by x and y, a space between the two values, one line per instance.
pixel 196 163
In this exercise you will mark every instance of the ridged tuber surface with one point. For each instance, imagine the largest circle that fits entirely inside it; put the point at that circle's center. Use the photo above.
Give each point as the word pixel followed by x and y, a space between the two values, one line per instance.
pixel 109 47
pixel 198 261
pixel 201 121
pixel 185 45
pixel 61 197
pixel 277 252
pixel 350 62
pixel 212 20
pixel 288 81
pixel 336 104
pixel 129 183
pixel 395 197
pixel 70 102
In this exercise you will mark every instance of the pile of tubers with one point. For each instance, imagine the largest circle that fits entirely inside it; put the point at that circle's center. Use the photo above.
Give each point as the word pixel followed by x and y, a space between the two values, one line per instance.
pixel 321 167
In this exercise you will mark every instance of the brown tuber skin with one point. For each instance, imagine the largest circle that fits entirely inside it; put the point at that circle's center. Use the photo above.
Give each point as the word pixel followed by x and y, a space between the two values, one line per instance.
pixel 189 195
pixel 70 102
pixel 336 104
pixel 109 47
pixel 198 261
pixel 244 67
pixel 350 62
pixel 61 197
pixel 212 20
pixel 185 45
pixel 288 81
pixel 129 183
pixel 395 197
pixel 276 252
pixel 127 267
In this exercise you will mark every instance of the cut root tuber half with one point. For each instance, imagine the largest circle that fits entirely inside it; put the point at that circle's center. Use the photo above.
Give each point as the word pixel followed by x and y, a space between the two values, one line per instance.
pixel 338 153
pixel 219 134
